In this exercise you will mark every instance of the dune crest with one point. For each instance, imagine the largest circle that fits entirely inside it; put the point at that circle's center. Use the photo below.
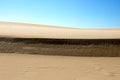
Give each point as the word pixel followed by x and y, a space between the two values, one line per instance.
pixel 23 30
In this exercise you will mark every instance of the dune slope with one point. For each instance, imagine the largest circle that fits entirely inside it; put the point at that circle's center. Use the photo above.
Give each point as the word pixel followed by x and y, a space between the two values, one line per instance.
pixel 37 67
pixel 22 30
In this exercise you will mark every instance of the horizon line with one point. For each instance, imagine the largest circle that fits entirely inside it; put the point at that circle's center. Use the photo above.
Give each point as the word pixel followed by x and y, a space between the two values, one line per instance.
pixel 47 25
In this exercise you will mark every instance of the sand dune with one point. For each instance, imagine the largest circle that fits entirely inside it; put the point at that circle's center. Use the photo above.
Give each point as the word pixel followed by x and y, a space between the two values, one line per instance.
pixel 22 30
pixel 37 67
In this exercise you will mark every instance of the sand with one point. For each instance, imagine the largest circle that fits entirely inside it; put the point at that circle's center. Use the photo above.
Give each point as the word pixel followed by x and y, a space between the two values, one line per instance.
pixel 40 67
pixel 23 30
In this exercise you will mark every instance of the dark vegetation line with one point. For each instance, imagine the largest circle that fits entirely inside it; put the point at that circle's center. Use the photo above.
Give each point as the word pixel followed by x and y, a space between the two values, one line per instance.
pixel 65 47
pixel 64 41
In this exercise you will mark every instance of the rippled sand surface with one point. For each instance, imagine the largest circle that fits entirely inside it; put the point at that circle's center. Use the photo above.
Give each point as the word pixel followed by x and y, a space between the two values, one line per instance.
pixel 39 67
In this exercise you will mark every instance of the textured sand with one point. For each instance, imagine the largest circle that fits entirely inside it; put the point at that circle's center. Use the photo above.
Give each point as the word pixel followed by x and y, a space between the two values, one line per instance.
pixel 22 30
pixel 37 67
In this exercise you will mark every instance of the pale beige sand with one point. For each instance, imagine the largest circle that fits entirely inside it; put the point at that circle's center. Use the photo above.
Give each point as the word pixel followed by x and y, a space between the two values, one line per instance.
pixel 22 30
pixel 38 67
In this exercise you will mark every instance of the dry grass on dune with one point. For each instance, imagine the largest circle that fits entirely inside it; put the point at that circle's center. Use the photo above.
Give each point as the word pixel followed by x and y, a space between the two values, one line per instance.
pixel 67 47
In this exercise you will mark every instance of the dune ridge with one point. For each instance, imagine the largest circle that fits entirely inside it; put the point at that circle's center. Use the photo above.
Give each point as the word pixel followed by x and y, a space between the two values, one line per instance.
pixel 24 30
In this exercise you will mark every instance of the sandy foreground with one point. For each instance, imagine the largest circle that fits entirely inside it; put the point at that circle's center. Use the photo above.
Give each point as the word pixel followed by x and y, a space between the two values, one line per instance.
pixel 39 67
pixel 23 30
